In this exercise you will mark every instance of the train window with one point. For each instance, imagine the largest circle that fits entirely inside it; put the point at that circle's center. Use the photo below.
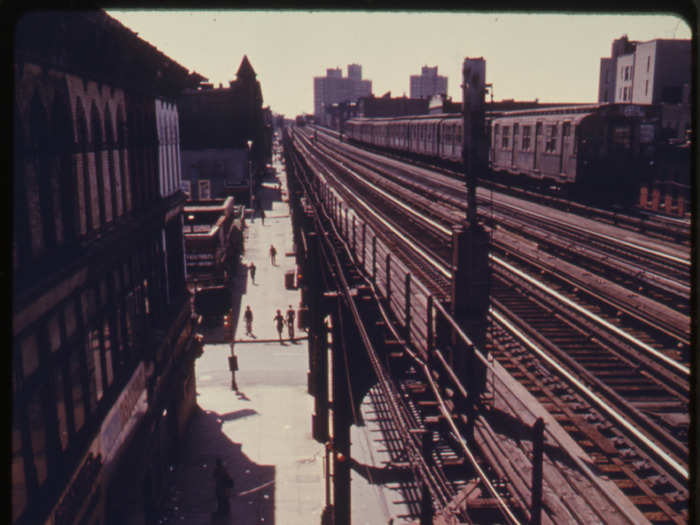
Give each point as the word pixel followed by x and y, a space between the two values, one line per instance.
pixel 526 138
pixel 566 129
pixel 621 137
pixel 551 144
pixel 496 129
pixel 516 129
pixel 538 129
pixel 506 136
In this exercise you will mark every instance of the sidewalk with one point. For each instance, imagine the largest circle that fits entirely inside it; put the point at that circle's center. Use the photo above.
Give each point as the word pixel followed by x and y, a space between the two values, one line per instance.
pixel 262 433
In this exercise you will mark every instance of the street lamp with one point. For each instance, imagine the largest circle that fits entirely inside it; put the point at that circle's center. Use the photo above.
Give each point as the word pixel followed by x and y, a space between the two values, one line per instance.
pixel 250 174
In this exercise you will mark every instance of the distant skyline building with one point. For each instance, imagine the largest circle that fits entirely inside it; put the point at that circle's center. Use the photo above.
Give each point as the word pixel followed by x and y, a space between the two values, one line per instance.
pixel 653 72
pixel 334 88
pixel 428 83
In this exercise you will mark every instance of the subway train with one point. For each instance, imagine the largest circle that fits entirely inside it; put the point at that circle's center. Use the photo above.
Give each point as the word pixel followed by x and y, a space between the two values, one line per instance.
pixel 599 152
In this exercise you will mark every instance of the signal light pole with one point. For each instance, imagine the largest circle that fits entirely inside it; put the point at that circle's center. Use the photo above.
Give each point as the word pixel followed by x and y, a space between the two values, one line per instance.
pixel 470 287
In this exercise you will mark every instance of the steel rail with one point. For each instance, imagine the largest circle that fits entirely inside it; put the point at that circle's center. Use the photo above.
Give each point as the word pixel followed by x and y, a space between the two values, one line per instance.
pixel 652 321
pixel 638 247
pixel 385 384
pixel 580 309
pixel 426 371
pixel 592 396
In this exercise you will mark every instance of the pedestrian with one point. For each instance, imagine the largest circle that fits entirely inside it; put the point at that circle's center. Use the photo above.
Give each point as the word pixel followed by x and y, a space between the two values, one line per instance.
pixel 262 216
pixel 251 267
pixel 279 320
pixel 290 322
pixel 248 316
pixel 223 486
pixel 273 254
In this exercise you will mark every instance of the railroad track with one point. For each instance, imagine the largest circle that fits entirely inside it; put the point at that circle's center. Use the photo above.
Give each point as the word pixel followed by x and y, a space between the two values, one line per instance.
pixel 662 227
pixel 661 497
pixel 672 503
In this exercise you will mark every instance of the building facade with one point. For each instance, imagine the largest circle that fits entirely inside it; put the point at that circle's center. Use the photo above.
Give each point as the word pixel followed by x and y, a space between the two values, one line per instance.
pixel 103 339
pixel 428 83
pixel 216 125
pixel 654 72
pixel 336 89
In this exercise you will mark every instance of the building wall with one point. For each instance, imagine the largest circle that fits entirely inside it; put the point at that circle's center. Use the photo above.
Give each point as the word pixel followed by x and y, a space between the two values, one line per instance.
pixel 625 78
pixel 224 168
pixel 606 86
pixel 645 72
pixel 90 292
pixel 673 70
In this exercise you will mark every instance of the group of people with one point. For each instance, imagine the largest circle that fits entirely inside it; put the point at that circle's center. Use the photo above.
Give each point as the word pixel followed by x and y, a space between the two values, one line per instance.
pixel 279 321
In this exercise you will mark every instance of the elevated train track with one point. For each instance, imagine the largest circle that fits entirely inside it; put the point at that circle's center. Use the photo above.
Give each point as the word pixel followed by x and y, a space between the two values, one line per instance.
pixel 663 505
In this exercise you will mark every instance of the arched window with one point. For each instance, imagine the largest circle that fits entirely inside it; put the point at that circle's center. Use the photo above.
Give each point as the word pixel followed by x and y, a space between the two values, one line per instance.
pixel 122 146
pixel 41 212
pixel 21 241
pixel 81 154
pixel 135 149
pixel 109 150
pixel 62 145
pixel 97 148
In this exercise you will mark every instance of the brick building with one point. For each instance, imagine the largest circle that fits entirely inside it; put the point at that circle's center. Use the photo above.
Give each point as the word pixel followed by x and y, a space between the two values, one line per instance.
pixel 216 125
pixel 103 338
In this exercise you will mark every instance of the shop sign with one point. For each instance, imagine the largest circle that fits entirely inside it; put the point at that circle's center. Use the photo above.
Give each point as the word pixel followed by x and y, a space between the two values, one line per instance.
pixel 129 408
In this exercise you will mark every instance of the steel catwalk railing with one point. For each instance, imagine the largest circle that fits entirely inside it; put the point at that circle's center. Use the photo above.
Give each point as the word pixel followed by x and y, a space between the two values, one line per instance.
pixel 391 395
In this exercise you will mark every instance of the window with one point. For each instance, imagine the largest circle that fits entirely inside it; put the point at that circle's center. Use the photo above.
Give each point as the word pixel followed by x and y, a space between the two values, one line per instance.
pixel 30 355
pixel 624 93
pixel 94 367
pixel 204 189
pixel 61 408
pixel 646 87
pixel 551 144
pixel 107 340
pixel 566 129
pixel 621 137
pixel 516 130
pixel 506 136
pixel 648 63
pixel 78 399
pixel 526 138
pixel 627 73
pixel 37 433
pixel 19 482
pixel 538 129
pixel 54 333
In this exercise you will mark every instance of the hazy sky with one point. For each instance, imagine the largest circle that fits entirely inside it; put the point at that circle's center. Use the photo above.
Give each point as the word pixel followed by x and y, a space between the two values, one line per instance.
pixel 554 58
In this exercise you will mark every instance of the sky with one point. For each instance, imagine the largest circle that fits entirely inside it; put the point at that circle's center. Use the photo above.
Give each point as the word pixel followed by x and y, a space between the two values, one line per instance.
pixel 550 57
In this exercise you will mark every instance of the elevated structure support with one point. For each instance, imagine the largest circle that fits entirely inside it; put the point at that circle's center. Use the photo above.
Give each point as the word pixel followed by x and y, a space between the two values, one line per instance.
pixel 470 290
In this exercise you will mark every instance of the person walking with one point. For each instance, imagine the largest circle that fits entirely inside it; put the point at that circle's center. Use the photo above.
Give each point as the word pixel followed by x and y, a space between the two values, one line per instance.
pixel 279 320
pixel 273 254
pixel 223 483
pixel 251 267
pixel 262 216
pixel 290 322
pixel 248 316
